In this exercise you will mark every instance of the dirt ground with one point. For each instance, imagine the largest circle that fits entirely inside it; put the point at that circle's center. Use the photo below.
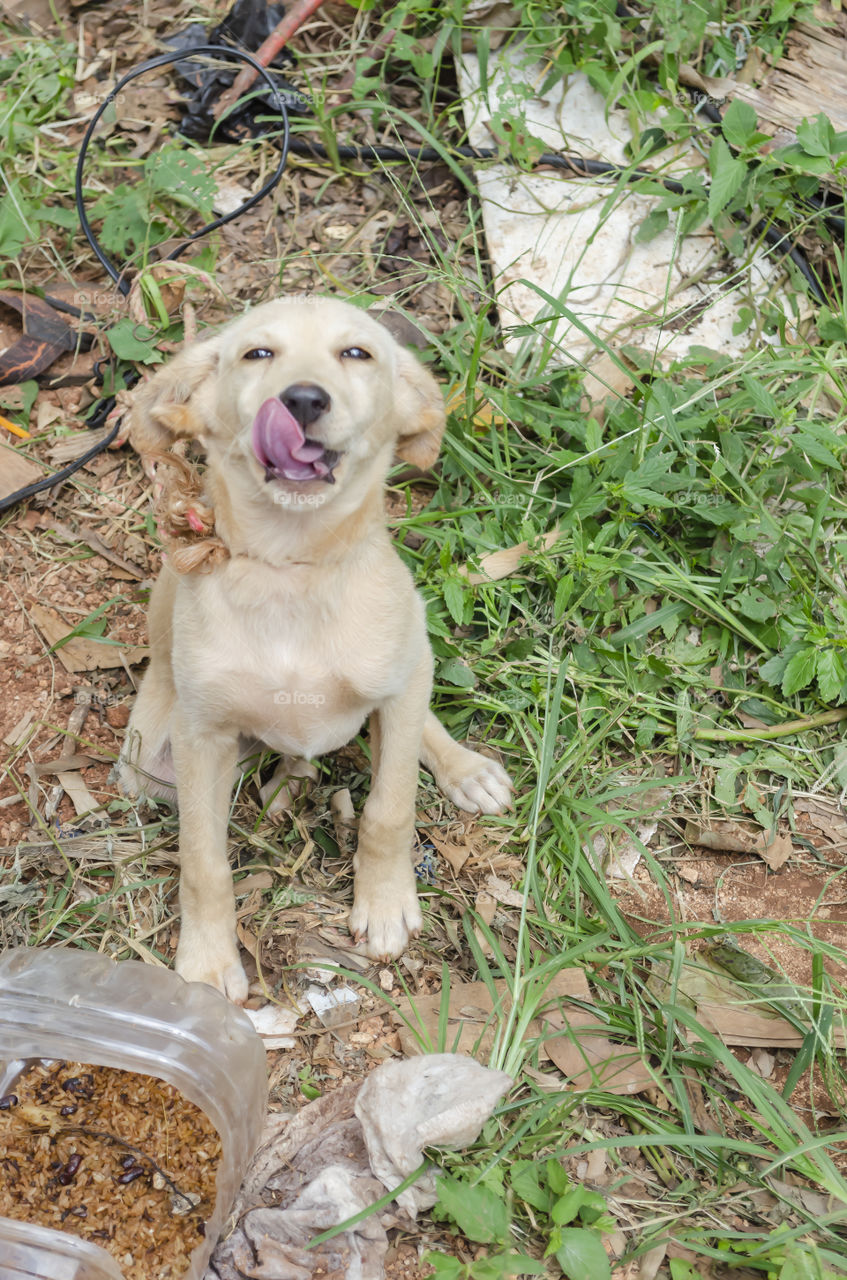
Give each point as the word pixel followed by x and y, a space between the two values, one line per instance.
pixel 63 711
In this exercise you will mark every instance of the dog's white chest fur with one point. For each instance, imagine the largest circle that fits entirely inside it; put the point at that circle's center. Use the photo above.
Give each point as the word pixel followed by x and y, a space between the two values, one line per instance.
pixel 274 657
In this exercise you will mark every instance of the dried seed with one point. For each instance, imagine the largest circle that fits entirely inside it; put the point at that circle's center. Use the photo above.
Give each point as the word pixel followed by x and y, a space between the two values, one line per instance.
pixel 10 1100
pixel 82 1085
pixel 69 1110
pixel 69 1172
pixel 130 1175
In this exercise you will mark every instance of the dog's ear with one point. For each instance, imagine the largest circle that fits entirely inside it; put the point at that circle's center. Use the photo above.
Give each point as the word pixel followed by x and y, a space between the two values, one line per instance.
pixel 419 407
pixel 162 409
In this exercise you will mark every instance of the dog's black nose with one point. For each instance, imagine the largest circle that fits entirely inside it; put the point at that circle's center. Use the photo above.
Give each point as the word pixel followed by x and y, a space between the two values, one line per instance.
pixel 305 401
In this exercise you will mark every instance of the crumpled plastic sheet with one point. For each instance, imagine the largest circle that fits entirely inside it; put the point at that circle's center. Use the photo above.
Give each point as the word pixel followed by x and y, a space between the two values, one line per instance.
pixel 246 26
pixel 439 1100
pixel 338 1156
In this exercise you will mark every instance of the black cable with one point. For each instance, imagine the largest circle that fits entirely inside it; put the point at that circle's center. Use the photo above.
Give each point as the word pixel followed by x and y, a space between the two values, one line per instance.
pixel 105 407
pixel 164 60
pixel 576 165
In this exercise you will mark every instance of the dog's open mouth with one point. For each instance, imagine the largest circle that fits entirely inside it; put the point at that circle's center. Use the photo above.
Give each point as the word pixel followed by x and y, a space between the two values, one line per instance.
pixel 284 450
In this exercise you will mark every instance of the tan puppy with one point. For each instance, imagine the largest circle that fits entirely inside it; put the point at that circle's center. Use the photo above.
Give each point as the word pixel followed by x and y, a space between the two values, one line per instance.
pixel 309 622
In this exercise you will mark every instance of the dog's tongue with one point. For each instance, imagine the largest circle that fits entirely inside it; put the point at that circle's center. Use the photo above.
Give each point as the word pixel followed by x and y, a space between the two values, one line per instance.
pixel 281 447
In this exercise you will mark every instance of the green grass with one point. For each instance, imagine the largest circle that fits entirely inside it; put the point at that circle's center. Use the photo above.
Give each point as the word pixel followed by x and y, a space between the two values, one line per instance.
pixel 697 580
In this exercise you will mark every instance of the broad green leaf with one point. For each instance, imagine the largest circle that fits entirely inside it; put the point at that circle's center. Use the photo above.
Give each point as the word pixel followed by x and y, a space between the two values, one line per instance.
pixel 567 1206
pixel 727 176
pixel 556 1176
pixel 444 1265
pixel 653 225
pixel 646 731
pixel 581 1255
pixel 754 604
pixel 131 341
pixel 681 1269
pixel 499 1265
pixel 454 598
pixel 739 123
pixel 832 674
pixel 479 1212
pixel 185 179
pixel 816 137
pixel 528 1183
pixel 814 449
pixel 126 219
pixel 800 671
pixel 457 673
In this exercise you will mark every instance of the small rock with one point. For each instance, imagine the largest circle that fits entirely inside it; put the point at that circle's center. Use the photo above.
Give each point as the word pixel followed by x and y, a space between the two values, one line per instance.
pixel 118 716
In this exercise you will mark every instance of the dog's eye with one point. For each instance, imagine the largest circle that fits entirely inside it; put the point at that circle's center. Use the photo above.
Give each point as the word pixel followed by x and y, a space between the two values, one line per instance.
pixel 356 353
pixel 258 353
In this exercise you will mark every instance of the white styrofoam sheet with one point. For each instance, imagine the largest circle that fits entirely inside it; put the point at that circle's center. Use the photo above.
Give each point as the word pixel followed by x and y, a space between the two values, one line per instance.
pixel 664 296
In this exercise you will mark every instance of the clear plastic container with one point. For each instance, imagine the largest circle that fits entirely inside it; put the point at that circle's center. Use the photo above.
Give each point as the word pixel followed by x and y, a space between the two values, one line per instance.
pixel 78 1006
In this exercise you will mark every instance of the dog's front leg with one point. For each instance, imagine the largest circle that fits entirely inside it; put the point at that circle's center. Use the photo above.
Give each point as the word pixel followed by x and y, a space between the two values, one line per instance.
pixel 205 768
pixel 385 900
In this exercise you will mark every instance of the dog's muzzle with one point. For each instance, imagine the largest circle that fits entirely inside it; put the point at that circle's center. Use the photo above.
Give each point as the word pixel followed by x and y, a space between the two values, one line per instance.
pixel 285 451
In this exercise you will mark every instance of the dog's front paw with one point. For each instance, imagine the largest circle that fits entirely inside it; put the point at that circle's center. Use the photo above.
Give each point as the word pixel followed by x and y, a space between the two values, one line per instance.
pixel 386 910
pixel 211 960
pixel 475 783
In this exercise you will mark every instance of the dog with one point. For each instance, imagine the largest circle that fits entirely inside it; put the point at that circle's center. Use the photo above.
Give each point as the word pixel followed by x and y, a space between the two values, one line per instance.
pixel 303 622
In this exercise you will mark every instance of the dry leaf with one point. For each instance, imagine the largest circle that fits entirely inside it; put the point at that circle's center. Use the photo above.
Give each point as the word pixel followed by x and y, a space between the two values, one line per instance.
pixel 503 892
pixel 604 378
pixel 455 853
pixel 588 1057
pixel 724 1008
pixel 83 654
pixel 81 798
pixel 470 1008
pixel 485 906
pixel 16 472
pixel 96 543
pixel 503 563
pixel 740 837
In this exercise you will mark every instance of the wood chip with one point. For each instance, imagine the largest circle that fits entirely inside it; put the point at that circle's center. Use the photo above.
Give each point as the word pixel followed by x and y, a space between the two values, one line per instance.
pixel 17 734
pixel 810 78
pixel 16 472
pixel 81 798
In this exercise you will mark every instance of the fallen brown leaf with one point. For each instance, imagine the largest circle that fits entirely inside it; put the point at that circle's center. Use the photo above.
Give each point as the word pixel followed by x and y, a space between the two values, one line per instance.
pixel 740 837
pixel 503 563
pixel 82 654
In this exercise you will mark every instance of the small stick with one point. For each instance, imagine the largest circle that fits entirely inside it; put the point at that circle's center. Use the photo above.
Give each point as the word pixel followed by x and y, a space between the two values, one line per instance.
pixel 267 51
